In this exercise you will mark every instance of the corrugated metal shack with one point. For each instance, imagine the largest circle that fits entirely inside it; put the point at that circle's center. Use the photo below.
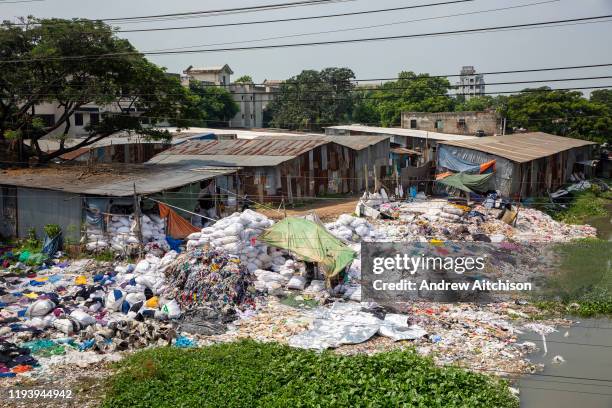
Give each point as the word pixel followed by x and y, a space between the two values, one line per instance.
pixel 421 141
pixel 33 198
pixel 278 167
pixel 527 164
pixel 366 154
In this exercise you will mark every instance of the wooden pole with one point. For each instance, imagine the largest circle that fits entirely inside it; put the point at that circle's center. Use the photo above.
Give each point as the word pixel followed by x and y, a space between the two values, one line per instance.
pixel 365 167
pixel 138 221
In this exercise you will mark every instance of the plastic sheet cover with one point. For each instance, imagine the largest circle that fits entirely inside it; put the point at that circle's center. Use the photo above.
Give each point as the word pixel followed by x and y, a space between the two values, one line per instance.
pixel 346 323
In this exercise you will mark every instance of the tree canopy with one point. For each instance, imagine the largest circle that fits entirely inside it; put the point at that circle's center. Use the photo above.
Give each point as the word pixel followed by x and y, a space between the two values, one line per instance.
pixel 384 104
pixel 215 104
pixel 563 113
pixel 70 64
pixel 313 99
pixel 245 79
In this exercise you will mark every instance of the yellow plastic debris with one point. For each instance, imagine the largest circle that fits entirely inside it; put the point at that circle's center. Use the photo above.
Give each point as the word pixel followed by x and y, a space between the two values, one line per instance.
pixel 152 303
pixel 80 280
pixel 31 295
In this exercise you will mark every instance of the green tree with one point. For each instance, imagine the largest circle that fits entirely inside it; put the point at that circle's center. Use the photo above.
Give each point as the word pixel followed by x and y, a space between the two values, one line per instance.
pixel 245 79
pixel 71 63
pixel 313 99
pixel 411 92
pixel 604 97
pixel 215 104
pixel 478 103
pixel 564 113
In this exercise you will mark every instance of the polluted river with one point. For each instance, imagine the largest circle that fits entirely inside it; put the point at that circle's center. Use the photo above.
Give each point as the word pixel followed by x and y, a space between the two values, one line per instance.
pixel 583 375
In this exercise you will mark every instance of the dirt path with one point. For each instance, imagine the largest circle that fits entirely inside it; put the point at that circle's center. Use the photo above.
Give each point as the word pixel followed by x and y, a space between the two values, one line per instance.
pixel 328 209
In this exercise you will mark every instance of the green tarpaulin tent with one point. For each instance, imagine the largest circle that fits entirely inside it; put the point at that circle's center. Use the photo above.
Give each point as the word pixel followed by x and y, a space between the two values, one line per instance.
pixel 311 242
pixel 468 182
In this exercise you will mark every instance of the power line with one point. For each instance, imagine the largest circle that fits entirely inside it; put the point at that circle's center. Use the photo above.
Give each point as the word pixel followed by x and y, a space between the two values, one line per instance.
pixel 202 13
pixel 20 1
pixel 320 43
pixel 284 20
pixel 352 90
pixel 387 97
pixel 364 27
pixel 519 71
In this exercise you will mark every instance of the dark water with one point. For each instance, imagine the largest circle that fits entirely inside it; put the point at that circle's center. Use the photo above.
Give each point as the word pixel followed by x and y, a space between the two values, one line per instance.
pixel 603 224
pixel 584 380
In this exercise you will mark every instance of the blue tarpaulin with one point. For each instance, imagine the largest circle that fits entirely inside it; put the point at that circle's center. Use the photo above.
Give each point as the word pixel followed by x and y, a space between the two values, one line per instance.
pixel 448 160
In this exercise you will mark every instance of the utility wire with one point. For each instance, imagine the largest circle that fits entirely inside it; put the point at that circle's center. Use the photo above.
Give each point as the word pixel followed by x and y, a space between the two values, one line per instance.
pixel 343 91
pixel 426 76
pixel 320 43
pixel 363 27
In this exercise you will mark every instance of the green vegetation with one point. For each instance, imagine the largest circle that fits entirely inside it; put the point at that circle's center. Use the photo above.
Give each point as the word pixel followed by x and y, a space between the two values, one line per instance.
pixel 72 82
pixel 589 203
pixel 583 284
pixel 251 374
pixel 215 104
pixel 313 99
pixel 245 79
pixel 52 230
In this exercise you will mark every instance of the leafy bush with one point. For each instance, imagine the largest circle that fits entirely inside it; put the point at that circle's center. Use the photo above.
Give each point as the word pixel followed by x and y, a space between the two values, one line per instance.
pixel 52 230
pixel 251 374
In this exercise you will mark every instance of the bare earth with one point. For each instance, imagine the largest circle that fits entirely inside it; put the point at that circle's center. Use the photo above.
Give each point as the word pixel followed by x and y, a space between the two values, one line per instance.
pixel 328 209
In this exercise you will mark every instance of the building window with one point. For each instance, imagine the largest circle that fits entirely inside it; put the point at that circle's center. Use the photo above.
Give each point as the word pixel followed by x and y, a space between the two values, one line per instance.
pixel 78 119
pixel 223 79
pixel 94 118
pixel 461 123
pixel 243 116
pixel 439 124
pixel 413 123
pixel 251 116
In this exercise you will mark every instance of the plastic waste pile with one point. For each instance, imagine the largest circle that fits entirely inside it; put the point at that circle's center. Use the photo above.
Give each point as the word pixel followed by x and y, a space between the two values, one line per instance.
pixel 352 229
pixel 87 306
pixel 121 233
pixel 237 235
pixel 210 279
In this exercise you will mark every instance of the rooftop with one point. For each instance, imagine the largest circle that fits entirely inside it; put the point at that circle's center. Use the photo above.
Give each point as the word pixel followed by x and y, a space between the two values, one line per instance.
pixel 420 134
pixel 241 152
pixel 521 147
pixel 110 180
pixel 216 68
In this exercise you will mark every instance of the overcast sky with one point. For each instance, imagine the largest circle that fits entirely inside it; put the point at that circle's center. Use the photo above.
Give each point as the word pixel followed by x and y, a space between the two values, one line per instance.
pixel 543 47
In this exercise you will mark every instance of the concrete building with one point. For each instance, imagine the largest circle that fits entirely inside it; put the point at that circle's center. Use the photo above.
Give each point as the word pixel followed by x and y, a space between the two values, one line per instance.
pixel 470 83
pixel 486 123
pixel 252 99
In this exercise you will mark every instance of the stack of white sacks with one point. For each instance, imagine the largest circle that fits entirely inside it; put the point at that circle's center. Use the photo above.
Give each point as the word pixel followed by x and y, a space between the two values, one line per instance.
pixel 236 235
pixel 352 229
pixel 121 232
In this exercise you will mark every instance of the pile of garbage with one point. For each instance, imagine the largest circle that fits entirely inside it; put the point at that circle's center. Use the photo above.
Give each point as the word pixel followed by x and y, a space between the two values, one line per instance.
pixel 87 305
pixel 208 277
pixel 15 360
pixel 121 234
pixel 352 229
pixel 237 236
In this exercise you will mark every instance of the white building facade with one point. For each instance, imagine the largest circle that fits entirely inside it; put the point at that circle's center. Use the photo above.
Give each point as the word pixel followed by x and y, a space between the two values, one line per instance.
pixel 470 83
pixel 252 99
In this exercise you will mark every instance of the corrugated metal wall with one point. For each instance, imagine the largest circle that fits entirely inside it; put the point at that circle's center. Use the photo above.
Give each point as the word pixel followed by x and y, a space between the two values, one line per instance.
pixel 37 208
pixel 8 211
